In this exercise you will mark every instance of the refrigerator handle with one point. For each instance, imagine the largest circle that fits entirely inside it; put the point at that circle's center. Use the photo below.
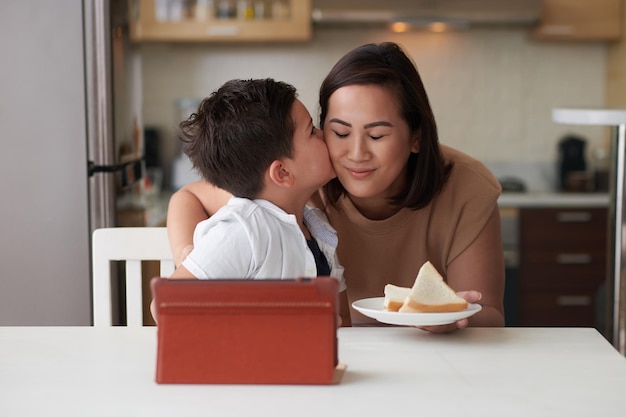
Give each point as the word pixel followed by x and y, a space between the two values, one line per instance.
pixel 126 173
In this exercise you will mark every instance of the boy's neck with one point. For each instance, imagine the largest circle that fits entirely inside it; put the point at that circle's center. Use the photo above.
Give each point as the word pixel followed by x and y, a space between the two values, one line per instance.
pixel 289 204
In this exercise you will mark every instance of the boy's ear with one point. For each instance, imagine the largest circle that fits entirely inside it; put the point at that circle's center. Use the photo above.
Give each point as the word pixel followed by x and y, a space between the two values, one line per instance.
pixel 280 175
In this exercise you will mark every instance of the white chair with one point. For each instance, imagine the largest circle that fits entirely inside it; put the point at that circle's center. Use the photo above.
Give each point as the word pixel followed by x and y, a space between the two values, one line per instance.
pixel 132 245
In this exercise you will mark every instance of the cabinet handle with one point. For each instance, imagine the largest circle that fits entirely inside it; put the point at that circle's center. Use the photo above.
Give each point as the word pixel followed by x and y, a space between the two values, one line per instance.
pixel 557 30
pixel 573 300
pixel 573 216
pixel 226 31
pixel 573 258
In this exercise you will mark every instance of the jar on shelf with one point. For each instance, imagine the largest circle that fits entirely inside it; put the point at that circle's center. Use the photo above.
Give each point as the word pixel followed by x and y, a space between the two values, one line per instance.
pixel 280 9
pixel 259 9
pixel 203 10
pixel 225 9
pixel 245 10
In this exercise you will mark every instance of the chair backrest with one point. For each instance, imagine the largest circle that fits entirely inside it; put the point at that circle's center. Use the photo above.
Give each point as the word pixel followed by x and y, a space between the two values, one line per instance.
pixel 132 245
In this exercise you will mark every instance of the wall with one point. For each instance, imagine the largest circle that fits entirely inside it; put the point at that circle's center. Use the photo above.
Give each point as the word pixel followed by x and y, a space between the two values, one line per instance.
pixel 492 91
pixel 616 72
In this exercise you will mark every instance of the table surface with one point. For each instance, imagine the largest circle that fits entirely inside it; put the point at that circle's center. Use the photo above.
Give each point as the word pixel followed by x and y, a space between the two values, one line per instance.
pixel 109 371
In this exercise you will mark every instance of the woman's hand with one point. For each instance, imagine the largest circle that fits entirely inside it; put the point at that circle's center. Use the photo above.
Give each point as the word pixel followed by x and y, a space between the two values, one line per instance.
pixel 184 253
pixel 470 297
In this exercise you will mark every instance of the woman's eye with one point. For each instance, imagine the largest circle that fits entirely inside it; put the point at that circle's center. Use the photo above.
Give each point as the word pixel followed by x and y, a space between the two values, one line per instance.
pixel 376 137
pixel 341 135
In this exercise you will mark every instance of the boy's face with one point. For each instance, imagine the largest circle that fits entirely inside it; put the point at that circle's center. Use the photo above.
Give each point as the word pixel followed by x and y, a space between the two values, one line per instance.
pixel 311 161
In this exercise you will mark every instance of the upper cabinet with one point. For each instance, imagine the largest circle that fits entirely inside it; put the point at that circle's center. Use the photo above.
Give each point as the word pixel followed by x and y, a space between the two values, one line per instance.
pixel 580 20
pixel 220 20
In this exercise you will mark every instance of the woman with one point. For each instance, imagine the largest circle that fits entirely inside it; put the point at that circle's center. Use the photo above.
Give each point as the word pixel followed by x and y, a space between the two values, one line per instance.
pixel 400 198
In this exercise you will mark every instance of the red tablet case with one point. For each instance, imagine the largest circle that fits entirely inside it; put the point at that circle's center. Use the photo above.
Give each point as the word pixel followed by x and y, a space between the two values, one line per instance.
pixel 246 331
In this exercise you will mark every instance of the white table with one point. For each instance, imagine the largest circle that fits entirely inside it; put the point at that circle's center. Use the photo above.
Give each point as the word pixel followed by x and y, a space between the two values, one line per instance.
pixel 529 372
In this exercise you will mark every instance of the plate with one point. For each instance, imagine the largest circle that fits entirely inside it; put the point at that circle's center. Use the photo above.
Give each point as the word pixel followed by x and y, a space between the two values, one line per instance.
pixel 374 308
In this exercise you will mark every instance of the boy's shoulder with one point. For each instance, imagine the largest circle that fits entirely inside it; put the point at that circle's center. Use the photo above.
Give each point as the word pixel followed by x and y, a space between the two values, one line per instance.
pixel 247 211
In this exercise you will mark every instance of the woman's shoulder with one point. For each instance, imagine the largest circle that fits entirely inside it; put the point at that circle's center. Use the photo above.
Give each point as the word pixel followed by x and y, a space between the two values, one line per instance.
pixel 469 173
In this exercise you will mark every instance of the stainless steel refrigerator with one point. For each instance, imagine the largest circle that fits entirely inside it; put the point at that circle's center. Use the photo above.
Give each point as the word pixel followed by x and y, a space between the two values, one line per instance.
pixel 616 278
pixel 70 120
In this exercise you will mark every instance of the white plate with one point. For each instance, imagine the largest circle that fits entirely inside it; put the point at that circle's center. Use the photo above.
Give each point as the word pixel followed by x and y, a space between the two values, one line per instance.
pixel 374 308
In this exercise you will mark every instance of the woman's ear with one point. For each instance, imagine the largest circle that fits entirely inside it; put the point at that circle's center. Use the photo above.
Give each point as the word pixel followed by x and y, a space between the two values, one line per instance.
pixel 279 174
pixel 415 142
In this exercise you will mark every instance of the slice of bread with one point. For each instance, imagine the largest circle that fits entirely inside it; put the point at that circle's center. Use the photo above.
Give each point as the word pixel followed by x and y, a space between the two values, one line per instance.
pixel 395 296
pixel 431 294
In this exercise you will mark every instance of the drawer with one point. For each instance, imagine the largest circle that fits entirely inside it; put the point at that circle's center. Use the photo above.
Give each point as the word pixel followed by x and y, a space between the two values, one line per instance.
pixel 549 269
pixel 581 257
pixel 565 229
pixel 534 276
pixel 558 308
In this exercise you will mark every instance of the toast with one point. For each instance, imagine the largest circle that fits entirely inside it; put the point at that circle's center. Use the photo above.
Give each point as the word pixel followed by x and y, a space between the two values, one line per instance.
pixel 395 296
pixel 431 294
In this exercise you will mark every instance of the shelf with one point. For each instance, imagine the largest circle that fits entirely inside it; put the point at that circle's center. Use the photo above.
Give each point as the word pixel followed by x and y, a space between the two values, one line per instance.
pixel 595 117
pixel 294 25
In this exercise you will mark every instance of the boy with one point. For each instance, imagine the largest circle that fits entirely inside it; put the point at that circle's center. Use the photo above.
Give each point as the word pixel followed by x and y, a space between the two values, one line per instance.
pixel 256 140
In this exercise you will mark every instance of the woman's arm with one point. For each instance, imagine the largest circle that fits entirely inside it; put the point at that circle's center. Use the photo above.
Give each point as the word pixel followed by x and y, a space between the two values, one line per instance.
pixel 478 276
pixel 189 206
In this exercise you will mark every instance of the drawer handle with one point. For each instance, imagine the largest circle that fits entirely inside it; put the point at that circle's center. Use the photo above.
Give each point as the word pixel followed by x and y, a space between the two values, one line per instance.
pixel 573 216
pixel 573 300
pixel 573 258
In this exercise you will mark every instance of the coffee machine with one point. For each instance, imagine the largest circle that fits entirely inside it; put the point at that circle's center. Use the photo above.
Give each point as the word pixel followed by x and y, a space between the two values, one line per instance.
pixel 573 174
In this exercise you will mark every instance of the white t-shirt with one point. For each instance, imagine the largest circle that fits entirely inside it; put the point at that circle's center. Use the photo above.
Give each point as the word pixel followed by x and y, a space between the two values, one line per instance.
pixel 256 239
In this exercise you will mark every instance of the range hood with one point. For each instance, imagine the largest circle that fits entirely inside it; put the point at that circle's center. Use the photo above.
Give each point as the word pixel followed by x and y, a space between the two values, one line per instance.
pixel 422 13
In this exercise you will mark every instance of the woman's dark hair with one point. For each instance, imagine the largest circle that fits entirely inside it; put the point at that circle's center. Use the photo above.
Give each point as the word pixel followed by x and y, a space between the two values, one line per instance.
pixel 388 66
pixel 238 131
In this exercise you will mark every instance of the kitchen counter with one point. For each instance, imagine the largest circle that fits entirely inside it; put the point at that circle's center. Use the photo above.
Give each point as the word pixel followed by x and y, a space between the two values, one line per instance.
pixel 549 199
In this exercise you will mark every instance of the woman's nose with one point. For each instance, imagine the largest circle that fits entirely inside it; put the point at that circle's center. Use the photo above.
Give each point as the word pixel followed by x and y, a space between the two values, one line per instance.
pixel 358 150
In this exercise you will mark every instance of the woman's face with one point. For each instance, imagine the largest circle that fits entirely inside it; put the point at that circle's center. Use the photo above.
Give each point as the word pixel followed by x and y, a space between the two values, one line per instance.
pixel 368 141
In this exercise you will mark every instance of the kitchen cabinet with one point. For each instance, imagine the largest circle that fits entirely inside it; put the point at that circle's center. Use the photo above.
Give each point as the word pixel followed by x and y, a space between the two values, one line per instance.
pixel 563 264
pixel 580 20
pixel 220 21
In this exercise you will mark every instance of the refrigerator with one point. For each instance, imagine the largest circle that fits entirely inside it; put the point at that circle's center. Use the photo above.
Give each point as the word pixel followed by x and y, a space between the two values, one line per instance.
pixel 72 149
pixel 616 277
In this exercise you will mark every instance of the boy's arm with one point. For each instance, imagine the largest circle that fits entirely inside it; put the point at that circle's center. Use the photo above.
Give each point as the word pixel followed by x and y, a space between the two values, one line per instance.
pixel 189 206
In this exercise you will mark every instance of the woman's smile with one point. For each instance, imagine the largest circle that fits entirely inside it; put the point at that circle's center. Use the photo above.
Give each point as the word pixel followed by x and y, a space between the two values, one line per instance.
pixel 360 173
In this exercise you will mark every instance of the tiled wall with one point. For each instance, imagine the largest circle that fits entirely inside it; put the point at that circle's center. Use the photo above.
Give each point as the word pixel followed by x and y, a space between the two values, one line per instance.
pixel 492 90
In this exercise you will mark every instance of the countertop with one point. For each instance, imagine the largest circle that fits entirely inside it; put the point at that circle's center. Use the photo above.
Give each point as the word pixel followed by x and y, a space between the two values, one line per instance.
pixel 553 199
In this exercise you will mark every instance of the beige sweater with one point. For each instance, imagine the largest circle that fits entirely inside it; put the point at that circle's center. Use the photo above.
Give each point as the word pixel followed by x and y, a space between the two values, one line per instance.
pixel 375 253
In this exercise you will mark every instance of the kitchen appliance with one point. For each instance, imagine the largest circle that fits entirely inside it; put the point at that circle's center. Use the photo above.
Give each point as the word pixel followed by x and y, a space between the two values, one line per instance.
pixel 72 139
pixel 512 184
pixel 616 278
pixel 572 163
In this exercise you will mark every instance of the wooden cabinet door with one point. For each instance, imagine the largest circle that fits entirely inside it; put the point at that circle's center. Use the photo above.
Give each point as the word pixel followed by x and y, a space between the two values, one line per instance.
pixel 581 20
pixel 292 25
pixel 563 264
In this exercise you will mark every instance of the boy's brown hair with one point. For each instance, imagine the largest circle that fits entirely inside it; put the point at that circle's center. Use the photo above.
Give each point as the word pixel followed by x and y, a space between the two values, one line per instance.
pixel 238 131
